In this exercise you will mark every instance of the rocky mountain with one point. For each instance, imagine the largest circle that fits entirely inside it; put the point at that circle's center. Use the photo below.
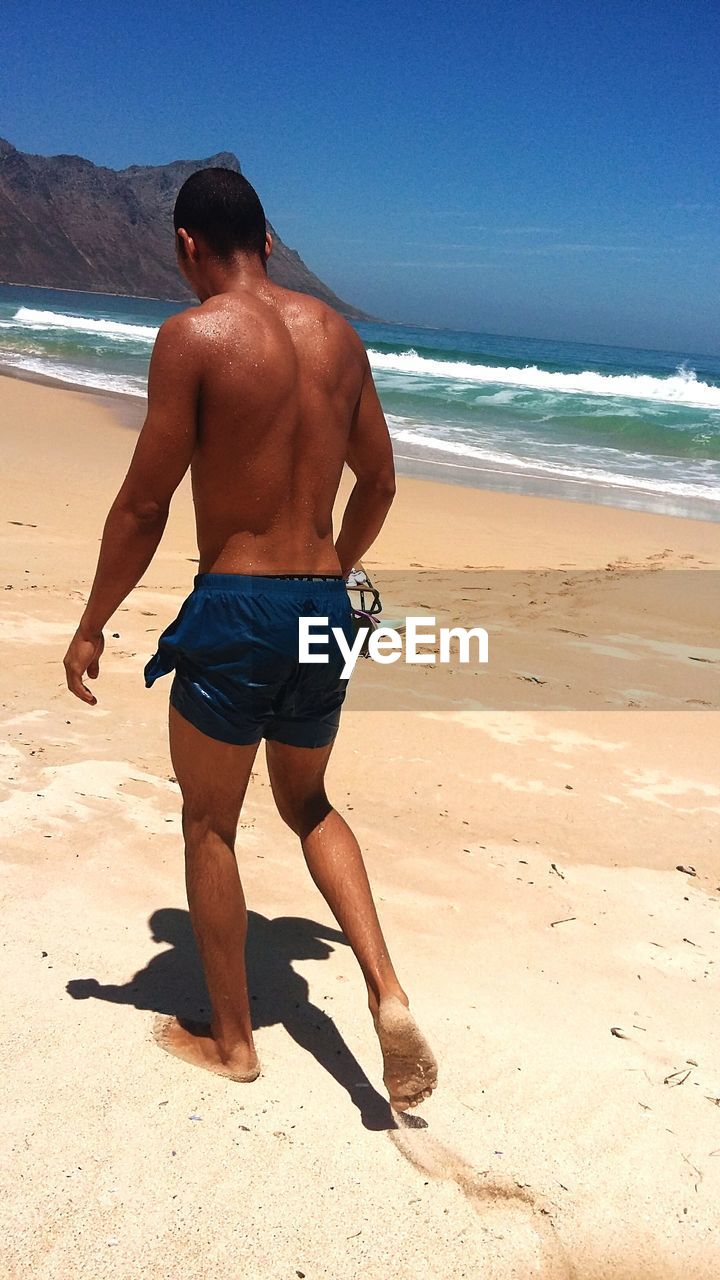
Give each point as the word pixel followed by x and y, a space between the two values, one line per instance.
pixel 66 223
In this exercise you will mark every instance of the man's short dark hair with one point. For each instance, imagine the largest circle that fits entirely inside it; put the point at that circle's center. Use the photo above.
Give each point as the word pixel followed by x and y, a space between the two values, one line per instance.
pixel 225 209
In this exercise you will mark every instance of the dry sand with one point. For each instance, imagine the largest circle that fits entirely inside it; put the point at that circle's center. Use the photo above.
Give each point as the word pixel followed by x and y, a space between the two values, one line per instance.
pixel 524 858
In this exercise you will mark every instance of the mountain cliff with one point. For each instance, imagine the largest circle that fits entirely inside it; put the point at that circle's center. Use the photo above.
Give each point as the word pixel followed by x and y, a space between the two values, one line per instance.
pixel 66 223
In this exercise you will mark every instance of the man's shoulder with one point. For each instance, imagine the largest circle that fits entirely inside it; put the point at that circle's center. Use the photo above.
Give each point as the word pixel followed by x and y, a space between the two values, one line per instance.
pixel 180 324
pixel 318 314
pixel 192 329
pixel 307 305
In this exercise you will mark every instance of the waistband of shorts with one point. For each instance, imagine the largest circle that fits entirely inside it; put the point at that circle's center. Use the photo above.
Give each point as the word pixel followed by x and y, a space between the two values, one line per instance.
pixel 280 584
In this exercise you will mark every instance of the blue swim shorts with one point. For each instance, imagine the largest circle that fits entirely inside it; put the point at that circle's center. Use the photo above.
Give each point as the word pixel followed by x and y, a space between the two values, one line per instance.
pixel 234 650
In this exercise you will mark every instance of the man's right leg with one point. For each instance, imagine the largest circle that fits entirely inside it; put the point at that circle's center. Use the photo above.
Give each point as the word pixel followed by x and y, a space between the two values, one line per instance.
pixel 297 776
pixel 213 778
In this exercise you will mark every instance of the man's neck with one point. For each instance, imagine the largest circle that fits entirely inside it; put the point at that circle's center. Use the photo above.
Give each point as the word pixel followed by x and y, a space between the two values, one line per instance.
pixel 244 273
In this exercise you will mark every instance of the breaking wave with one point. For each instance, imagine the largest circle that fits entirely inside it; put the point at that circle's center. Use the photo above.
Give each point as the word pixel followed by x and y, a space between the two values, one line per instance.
pixel 682 387
pixel 29 317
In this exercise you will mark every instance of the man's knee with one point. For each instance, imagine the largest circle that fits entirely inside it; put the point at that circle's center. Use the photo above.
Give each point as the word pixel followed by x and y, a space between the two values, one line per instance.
pixel 302 813
pixel 200 826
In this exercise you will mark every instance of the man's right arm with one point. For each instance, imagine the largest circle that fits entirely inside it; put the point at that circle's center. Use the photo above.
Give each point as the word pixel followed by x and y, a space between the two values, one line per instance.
pixel 370 458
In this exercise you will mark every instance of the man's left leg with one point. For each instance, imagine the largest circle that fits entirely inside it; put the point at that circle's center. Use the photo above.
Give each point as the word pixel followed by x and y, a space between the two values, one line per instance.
pixel 213 778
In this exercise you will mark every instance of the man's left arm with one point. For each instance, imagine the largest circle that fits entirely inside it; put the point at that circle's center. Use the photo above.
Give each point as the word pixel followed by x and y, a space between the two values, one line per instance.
pixel 137 517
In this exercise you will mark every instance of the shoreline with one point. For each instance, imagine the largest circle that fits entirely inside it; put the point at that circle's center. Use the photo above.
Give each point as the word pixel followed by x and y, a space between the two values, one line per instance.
pixel 444 524
pixel 130 409
pixel 121 404
pixel 571 490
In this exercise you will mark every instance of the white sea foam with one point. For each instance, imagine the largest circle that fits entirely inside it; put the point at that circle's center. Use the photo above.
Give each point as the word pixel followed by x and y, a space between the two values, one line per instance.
pixel 681 387
pixel 95 380
pixel 28 317
pixel 593 474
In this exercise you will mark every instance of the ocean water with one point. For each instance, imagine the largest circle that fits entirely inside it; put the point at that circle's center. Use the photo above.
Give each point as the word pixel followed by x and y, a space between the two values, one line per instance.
pixel 604 424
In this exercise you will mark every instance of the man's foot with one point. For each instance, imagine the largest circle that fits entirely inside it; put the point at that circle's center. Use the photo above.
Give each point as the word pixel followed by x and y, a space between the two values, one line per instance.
pixel 410 1072
pixel 193 1042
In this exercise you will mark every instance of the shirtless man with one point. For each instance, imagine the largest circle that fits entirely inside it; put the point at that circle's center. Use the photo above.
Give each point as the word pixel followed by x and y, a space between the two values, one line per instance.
pixel 265 394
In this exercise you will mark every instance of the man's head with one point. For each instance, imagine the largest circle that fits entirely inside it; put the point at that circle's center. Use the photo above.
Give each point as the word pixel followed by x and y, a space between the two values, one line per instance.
pixel 218 218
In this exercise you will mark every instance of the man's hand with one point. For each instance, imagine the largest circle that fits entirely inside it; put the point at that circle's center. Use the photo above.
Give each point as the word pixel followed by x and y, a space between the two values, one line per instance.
pixel 83 657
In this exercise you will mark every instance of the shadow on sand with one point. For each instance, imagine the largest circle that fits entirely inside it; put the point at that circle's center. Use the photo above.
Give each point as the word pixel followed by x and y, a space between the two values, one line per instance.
pixel 172 982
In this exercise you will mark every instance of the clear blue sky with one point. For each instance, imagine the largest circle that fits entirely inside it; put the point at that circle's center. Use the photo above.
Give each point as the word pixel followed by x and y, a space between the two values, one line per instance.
pixel 515 166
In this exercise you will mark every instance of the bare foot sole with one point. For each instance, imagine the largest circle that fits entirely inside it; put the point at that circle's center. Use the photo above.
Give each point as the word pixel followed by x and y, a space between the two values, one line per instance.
pixel 410 1073
pixel 193 1043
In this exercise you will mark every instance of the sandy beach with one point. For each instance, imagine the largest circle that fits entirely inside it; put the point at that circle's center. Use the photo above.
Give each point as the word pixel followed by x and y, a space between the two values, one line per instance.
pixel 523 828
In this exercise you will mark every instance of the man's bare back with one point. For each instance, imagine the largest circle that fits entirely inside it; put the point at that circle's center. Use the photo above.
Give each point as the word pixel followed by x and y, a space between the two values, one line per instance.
pixel 281 384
